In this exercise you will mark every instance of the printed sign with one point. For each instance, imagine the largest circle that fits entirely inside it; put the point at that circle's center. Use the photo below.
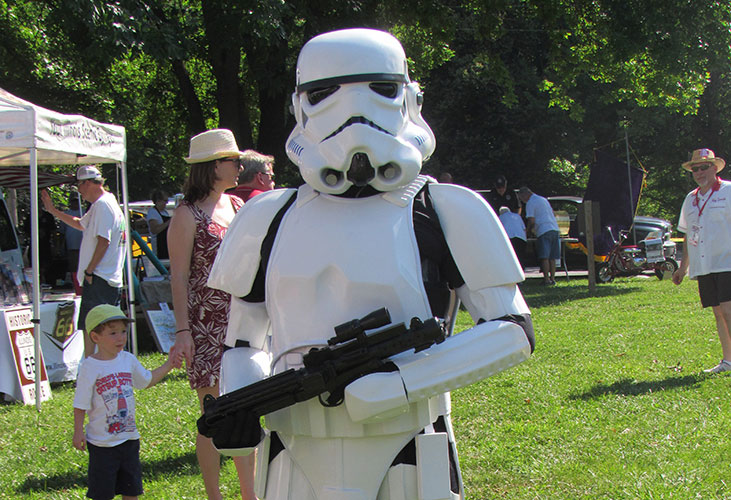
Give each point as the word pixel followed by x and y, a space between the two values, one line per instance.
pixel 62 343
pixel 162 324
pixel 20 329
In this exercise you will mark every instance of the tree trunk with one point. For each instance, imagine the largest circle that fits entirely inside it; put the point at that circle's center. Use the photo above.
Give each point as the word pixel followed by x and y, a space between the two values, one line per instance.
pixel 708 118
pixel 196 120
pixel 224 50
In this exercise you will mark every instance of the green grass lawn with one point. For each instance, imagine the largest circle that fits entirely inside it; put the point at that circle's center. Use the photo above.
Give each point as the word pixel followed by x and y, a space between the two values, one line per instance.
pixel 612 405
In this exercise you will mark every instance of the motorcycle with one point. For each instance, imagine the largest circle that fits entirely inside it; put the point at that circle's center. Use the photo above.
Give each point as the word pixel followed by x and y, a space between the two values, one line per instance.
pixel 631 260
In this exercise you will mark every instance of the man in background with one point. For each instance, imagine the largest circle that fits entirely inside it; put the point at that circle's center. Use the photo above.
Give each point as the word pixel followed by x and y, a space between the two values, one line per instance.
pixel 257 177
pixel 73 241
pixel 705 218
pixel 542 223
pixel 101 255
pixel 515 228
pixel 501 196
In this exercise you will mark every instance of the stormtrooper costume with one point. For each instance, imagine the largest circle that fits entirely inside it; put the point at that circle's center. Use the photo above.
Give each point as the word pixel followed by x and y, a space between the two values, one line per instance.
pixel 365 231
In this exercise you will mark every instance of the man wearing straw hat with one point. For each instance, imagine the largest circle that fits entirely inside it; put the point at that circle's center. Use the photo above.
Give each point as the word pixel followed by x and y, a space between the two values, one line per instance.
pixel 706 221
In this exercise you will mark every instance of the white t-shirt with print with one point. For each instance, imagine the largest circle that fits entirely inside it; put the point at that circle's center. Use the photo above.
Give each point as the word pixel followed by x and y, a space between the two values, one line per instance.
pixel 104 219
pixel 104 388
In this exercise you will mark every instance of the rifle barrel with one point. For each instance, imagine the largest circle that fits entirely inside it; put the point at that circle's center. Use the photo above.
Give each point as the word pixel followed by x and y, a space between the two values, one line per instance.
pixel 327 369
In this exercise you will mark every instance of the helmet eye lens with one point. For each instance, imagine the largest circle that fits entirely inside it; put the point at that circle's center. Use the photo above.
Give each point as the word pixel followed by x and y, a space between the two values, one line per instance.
pixel 386 89
pixel 316 96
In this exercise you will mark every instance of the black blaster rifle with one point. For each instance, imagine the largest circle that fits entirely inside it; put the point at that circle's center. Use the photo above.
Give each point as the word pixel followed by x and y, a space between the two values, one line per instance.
pixel 350 354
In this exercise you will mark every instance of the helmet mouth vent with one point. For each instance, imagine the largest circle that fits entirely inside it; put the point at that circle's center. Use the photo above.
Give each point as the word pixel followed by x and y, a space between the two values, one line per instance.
pixel 361 171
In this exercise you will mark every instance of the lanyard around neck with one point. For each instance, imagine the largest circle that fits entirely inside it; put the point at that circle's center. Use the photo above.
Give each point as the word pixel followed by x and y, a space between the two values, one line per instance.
pixel 716 186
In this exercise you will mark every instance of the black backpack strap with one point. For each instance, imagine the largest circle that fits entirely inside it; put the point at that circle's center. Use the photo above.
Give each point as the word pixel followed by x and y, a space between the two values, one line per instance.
pixel 438 269
pixel 257 292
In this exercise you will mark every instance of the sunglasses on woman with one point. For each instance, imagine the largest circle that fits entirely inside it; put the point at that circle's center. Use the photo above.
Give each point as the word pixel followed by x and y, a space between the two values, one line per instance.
pixel 236 161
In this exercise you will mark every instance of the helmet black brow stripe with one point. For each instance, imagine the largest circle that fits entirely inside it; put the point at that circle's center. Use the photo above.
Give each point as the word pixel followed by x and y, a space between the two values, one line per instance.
pixel 364 77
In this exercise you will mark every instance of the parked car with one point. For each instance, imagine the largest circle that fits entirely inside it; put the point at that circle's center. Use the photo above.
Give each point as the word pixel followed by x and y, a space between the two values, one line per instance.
pixel 566 210
pixel 568 206
pixel 144 205
pixel 138 211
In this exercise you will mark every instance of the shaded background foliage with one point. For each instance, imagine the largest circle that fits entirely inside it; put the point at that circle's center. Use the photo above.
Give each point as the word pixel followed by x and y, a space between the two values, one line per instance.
pixel 527 88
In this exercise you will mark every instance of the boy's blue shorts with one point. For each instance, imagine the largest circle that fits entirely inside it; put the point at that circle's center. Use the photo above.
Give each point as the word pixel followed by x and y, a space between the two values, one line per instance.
pixel 115 470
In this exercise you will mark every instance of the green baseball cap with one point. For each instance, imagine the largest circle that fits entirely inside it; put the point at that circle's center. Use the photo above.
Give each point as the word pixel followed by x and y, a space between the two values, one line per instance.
pixel 103 313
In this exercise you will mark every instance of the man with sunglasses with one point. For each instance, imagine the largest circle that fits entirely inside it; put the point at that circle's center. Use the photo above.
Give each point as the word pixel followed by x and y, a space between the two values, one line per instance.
pixel 101 255
pixel 257 177
pixel 705 218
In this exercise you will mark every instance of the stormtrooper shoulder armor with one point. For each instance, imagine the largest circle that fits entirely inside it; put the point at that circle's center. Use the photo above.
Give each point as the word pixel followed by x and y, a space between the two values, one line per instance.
pixel 477 240
pixel 239 256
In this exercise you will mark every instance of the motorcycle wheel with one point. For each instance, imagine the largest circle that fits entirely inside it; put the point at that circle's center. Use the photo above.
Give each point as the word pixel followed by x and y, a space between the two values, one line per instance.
pixel 668 265
pixel 603 273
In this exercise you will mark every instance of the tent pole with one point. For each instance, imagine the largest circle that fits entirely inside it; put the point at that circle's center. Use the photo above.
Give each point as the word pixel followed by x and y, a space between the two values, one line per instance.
pixel 34 217
pixel 12 200
pixel 629 182
pixel 128 260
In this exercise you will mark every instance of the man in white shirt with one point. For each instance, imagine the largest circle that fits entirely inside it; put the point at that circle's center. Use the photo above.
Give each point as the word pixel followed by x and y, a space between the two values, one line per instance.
pixel 101 255
pixel 543 224
pixel 515 229
pixel 705 218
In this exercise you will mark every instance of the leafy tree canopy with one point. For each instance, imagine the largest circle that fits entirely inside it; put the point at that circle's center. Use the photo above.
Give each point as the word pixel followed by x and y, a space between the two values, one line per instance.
pixel 528 88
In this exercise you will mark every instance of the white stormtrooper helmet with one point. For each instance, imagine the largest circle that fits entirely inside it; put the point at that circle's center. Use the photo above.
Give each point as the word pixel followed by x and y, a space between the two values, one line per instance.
pixel 358 115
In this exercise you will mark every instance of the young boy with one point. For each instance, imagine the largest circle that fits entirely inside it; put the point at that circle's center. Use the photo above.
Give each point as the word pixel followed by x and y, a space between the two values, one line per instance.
pixel 104 389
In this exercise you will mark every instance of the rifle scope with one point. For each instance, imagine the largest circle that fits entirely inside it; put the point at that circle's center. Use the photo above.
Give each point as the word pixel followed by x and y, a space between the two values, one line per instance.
pixel 355 327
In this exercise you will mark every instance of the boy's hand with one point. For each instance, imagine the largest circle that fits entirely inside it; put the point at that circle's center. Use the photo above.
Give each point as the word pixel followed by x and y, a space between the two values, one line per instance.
pixel 80 441
pixel 175 359
pixel 184 346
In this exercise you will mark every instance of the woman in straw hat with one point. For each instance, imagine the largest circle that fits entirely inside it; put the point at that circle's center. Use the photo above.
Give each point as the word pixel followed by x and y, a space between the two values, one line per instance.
pixel 705 218
pixel 201 313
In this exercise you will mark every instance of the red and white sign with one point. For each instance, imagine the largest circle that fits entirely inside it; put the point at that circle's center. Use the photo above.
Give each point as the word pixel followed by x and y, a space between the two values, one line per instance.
pixel 20 330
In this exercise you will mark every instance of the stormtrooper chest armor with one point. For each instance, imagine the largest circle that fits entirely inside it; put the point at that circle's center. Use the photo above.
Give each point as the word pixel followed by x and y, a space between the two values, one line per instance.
pixel 336 259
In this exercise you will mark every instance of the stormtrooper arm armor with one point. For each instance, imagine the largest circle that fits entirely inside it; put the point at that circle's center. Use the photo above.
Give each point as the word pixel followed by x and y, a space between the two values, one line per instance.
pixel 501 338
pixel 240 366
pixel 235 270
pixel 484 350
pixel 247 359
pixel 239 257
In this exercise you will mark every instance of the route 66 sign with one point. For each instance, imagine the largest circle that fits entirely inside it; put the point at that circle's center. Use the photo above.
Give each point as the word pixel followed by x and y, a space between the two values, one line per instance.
pixel 20 329
pixel 63 328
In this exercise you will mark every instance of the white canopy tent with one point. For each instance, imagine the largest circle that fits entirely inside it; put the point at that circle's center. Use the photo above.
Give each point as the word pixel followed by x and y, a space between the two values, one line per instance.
pixel 32 136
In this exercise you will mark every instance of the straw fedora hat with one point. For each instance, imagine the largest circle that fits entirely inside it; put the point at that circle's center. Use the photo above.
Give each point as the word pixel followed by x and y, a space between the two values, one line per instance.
pixel 212 145
pixel 704 156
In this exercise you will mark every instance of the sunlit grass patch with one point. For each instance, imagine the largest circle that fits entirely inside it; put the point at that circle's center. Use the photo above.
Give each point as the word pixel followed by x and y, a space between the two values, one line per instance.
pixel 612 405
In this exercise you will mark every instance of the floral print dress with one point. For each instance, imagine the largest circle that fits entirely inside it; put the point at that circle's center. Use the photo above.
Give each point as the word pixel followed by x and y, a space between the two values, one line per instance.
pixel 207 307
